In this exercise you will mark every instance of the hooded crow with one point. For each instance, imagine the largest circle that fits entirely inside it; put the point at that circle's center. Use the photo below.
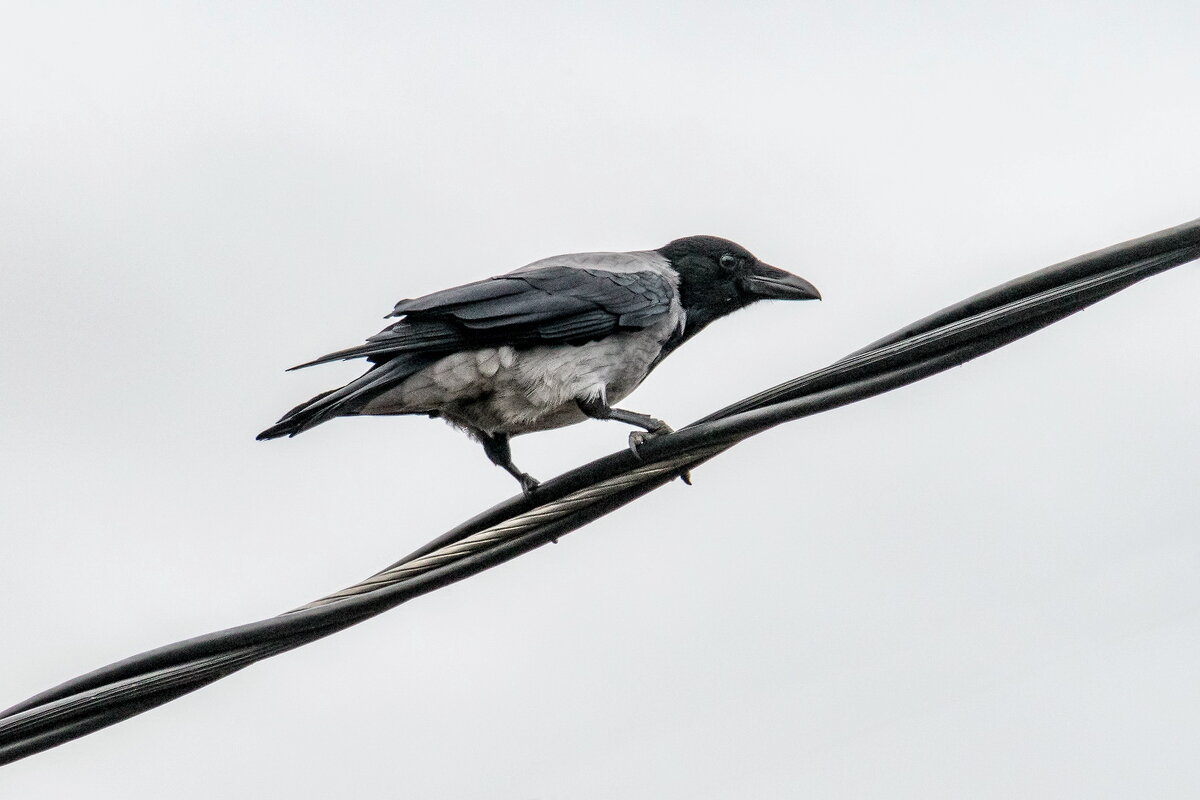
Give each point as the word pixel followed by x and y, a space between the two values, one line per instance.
pixel 548 345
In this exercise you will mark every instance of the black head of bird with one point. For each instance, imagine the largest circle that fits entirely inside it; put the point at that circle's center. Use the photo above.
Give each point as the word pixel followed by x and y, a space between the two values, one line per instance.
pixel 718 277
pixel 553 343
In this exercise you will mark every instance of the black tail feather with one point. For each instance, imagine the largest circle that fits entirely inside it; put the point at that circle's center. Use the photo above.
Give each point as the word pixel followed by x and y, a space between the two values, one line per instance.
pixel 347 400
pixel 293 421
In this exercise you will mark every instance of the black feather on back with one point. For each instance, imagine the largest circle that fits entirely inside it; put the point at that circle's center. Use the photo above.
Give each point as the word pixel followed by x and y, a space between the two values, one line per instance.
pixel 522 309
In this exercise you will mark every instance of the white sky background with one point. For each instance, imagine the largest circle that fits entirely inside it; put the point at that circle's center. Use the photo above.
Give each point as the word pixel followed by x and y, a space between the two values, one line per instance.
pixel 984 585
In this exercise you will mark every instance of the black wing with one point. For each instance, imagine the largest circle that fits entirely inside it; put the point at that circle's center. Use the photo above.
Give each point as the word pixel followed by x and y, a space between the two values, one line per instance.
pixel 549 304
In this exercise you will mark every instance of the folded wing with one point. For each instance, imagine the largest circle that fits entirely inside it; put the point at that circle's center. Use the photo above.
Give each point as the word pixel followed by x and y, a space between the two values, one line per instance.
pixel 546 305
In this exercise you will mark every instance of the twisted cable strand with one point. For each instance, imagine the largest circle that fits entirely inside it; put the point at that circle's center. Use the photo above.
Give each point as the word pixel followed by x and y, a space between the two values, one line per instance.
pixel 949 337
pixel 514 527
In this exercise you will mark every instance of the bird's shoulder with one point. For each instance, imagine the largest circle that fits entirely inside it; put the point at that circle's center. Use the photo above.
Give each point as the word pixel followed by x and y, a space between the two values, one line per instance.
pixel 634 262
pixel 556 286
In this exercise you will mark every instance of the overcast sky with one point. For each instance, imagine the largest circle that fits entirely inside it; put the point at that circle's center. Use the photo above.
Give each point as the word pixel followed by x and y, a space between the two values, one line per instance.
pixel 986 585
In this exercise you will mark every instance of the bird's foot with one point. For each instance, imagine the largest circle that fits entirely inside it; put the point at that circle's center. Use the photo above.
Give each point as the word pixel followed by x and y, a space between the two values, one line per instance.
pixel 639 438
pixel 528 484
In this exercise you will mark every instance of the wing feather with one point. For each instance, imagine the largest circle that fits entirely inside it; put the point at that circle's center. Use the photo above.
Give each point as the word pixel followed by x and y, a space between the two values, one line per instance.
pixel 521 309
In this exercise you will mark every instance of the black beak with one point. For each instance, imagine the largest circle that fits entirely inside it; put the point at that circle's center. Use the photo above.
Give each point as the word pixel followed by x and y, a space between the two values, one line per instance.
pixel 764 282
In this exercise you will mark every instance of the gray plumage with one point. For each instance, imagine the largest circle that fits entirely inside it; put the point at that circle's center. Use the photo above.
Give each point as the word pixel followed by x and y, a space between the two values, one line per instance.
pixel 550 344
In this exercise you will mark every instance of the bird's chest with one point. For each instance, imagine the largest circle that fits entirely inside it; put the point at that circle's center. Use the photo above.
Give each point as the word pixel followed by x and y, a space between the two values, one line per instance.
pixel 519 391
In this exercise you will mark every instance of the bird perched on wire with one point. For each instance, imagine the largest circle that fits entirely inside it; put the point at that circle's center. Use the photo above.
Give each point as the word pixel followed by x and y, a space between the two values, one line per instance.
pixel 550 344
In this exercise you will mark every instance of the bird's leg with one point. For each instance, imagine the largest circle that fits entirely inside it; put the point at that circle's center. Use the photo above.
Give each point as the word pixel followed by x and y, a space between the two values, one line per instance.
pixel 497 449
pixel 597 408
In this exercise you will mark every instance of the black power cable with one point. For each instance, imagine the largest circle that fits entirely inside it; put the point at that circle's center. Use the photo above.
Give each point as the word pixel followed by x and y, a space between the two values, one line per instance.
pixel 942 340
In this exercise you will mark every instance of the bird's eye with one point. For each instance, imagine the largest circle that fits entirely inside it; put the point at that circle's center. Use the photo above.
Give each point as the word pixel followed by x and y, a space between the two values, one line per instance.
pixel 728 262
